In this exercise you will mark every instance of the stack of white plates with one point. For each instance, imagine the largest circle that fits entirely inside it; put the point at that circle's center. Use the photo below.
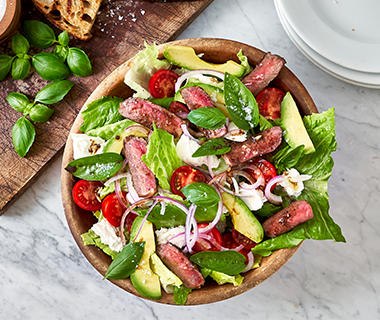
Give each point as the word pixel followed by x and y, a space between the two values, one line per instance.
pixel 342 37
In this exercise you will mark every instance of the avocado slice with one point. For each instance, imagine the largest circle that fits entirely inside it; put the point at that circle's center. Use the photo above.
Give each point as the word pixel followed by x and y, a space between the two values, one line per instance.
pixel 243 219
pixel 145 281
pixel 293 126
pixel 115 144
pixel 186 57
pixel 167 278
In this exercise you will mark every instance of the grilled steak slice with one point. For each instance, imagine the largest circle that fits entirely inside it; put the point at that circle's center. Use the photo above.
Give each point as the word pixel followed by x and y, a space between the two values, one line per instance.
pixel 180 265
pixel 288 218
pixel 262 143
pixel 196 97
pixel 268 69
pixel 146 113
pixel 143 178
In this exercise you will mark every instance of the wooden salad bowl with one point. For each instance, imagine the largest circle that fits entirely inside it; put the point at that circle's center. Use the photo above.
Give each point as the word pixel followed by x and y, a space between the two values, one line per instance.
pixel 80 221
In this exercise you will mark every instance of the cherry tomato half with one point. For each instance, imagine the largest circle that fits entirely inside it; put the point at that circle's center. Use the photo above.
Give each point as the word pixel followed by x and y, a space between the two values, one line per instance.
pixel 268 170
pixel 229 243
pixel 269 102
pixel 84 195
pixel 161 84
pixel 183 176
pixel 178 107
pixel 112 209
pixel 206 245
pixel 129 220
pixel 241 239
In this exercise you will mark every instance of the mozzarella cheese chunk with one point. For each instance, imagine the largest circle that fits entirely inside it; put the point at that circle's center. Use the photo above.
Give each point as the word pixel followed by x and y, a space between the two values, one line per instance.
pixel 186 148
pixel 256 197
pixel 235 133
pixel 107 234
pixel 292 182
pixel 84 145
pixel 164 235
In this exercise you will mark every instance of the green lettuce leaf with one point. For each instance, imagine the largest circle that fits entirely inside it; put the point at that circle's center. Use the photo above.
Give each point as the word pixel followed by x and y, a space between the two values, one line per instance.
pixel 91 238
pixel 222 278
pixel 108 131
pixel 244 62
pixel 180 294
pixel 111 188
pixel 144 65
pixel 321 129
pixel 161 156
pixel 101 112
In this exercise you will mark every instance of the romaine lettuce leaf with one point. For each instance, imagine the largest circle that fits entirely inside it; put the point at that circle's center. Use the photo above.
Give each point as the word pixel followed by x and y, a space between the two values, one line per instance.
pixel 108 131
pixel 244 62
pixel 180 294
pixel 222 278
pixel 144 65
pixel 91 238
pixel 161 156
pixel 321 129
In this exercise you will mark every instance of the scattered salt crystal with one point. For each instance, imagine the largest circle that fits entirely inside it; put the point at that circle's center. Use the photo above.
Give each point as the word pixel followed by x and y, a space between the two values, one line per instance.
pixel 134 19
pixel 120 18
pixel 142 12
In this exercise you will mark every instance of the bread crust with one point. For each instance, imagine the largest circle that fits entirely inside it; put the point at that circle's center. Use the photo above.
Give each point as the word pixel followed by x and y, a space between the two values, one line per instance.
pixel 75 16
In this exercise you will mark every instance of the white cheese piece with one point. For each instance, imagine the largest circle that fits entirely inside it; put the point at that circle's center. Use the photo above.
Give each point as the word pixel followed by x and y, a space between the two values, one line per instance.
pixel 256 197
pixel 186 148
pixel 292 182
pixel 164 235
pixel 107 234
pixel 235 133
pixel 84 145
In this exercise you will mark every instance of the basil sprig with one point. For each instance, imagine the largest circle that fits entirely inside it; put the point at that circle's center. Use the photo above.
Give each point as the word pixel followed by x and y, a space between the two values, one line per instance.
pixel 240 102
pixel 212 147
pixel 201 194
pixel 229 262
pixel 39 34
pixel 96 167
pixel 23 132
pixel 78 62
pixel 126 261
pixel 207 117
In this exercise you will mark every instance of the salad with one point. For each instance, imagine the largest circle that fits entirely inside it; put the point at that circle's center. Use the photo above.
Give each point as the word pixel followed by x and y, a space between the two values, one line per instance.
pixel 200 174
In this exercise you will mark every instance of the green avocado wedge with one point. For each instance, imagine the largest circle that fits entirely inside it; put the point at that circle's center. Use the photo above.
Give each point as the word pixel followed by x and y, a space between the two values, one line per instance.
pixel 186 57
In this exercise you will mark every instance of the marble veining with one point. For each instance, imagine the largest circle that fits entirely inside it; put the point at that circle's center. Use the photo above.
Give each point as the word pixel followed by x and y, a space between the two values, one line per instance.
pixel 43 274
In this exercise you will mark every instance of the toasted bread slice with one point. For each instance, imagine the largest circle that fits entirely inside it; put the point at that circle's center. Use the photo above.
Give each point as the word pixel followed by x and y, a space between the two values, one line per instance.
pixel 75 16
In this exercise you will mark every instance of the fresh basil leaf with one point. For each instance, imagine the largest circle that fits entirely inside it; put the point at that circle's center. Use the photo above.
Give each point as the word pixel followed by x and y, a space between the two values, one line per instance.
pixel 201 194
pixel 23 134
pixel 40 113
pixel 240 102
pixel 163 102
pixel 5 65
pixel 126 261
pixel 28 108
pixel 211 147
pixel 204 214
pixel 50 67
pixel 54 92
pixel 20 68
pixel 101 112
pixel 264 123
pixel 96 167
pixel 172 216
pixel 180 294
pixel 229 262
pixel 207 117
pixel 63 38
pixel 79 63
pixel 61 52
pixel 19 44
pixel 18 101
pixel 39 34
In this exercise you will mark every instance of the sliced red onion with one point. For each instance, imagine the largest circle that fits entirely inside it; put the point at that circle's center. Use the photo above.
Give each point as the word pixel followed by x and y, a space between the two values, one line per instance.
pixel 187 133
pixel 189 238
pixel 236 194
pixel 182 115
pixel 254 184
pixel 114 178
pixel 193 73
pixel 272 198
pixel 119 195
pixel 146 216
pixel 209 167
pixel 250 263
pixel 132 194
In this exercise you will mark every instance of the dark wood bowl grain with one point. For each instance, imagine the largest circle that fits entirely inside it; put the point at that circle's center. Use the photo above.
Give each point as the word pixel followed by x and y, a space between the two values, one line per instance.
pixel 80 221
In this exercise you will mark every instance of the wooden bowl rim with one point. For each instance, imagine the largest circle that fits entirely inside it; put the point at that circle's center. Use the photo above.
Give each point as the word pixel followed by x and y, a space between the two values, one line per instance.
pixel 211 292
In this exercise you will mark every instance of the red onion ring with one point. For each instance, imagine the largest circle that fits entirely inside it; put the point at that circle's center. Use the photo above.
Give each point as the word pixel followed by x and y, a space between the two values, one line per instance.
pixel 146 216
pixel 250 263
pixel 187 133
pixel 192 73
pixel 114 178
pixel 272 198
pixel 143 130
pixel 119 195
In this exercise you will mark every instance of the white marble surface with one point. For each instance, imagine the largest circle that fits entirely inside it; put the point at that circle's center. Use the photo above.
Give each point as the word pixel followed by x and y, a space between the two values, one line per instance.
pixel 43 275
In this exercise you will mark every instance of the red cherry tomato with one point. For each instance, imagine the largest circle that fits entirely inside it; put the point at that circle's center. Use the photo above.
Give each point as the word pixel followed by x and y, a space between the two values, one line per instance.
pixel 112 209
pixel 268 170
pixel 229 243
pixel 241 239
pixel 183 176
pixel 84 195
pixel 178 107
pixel 208 245
pixel 129 220
pixel 161 84
pixel 269 102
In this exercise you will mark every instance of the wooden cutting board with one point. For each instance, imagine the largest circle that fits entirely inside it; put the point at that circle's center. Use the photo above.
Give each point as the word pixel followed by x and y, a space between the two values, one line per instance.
pixel 120 29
